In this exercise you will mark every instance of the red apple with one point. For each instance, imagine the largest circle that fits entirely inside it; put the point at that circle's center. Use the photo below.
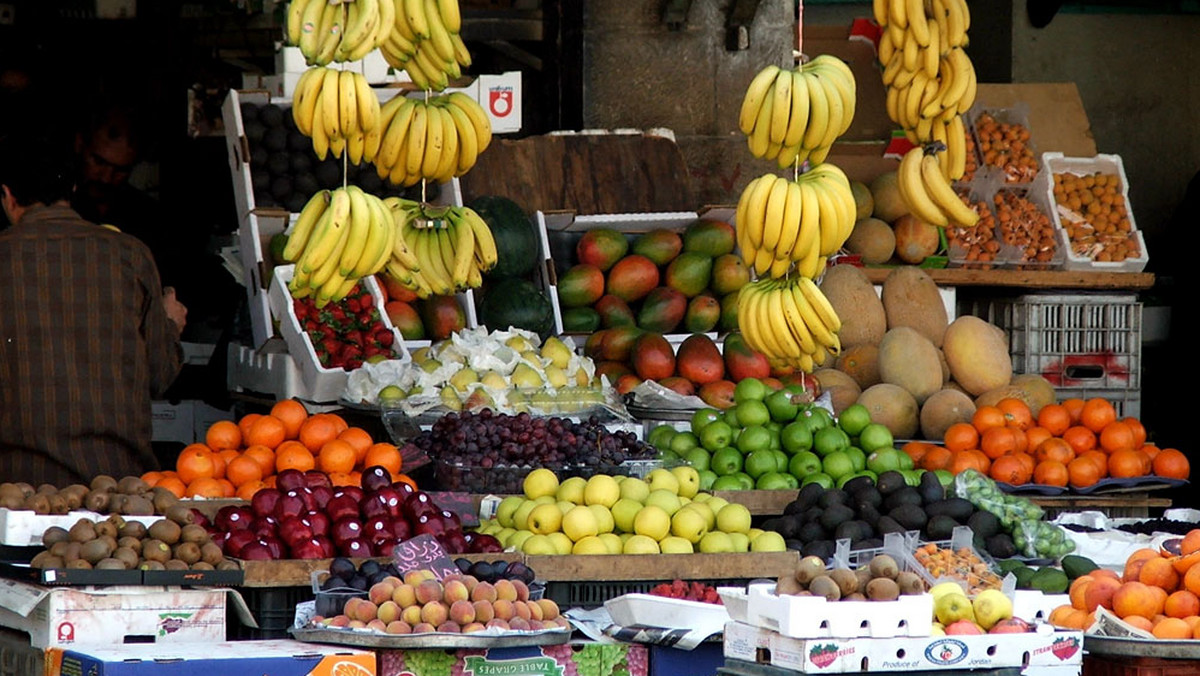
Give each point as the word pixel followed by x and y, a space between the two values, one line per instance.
pixel 344 530
pixel 291 504
pixel 375 477
pixel 314 478
pixel 328 549
pixel 264 525
pixel 290 480
pixel 274 545
pixel 322 495
pixel 319 522
pixel 255 551
pixel 353 491
pixel 963 627
pixel 342 507
pixel 356 548
pixel 293 529
pixel 307 549
pixel 264 501
pixel 237 540
pixel 231 517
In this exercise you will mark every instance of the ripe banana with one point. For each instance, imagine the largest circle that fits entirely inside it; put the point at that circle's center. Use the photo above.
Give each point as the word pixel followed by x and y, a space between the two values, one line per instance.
pixel 912 190
pixel 436 139
pixel 343 32
pixel 789 321
pixel 438 249
pixel 788 115
pixel 337 109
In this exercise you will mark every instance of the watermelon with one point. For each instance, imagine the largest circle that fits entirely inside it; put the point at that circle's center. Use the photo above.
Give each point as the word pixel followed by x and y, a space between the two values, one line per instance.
pixel 516 302
pixel 517 247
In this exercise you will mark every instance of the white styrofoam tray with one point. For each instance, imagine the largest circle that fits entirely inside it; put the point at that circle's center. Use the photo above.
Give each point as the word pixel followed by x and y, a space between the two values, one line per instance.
pixel 24 528
pixel 648 610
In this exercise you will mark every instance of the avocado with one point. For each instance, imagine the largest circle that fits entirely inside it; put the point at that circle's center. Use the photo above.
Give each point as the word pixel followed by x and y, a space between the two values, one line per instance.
pixel 1049 580
pixel 868 496
pixel 1076 566
pixel 869 543
pixel 890 481
pixel 904 496
pixel 822 549
pixel 911 517
pixel 930 488
pixel 810 531
pixel 868 514
pixel 812 514
pixel 807 497
pixel 887 525
pixel 940 527
pixel 859 483
pixel 773 524
pixel 833 496
pixel 788 526
pixel 1009 565
pixel 956 508
pixel 848 530
pixel 834 516
pixel 1001 546
pixel 1024 575
pixel 794 545
pixel 984 524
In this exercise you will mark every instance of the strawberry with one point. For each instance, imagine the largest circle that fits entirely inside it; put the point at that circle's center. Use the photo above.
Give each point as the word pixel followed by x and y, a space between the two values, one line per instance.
pixel 384 337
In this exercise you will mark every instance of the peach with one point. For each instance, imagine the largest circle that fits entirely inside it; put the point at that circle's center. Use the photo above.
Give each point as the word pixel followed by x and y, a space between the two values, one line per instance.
pixel 519 624
pixel 435 613
pixel 356 624
pixel 521 610
pixel 405 595
pixel 504 610
pixel 423 628
pixel 505 590
pixel 398 627
pixel 339 621
pixel 462 611
pixel 380 592
pixel 483 611
pixel 351 604
pixel 449 627
pixel 498 623
pixel 454 590
pixel 484 591
pixel 549 625
pixel 416 577
pixel 522 590
pixel 470 581
pixel 472 628
pixel 562 621
pixel 395 581
pixel 429 591
pixel 535 610
pixel 411 615
pixel 549 608
pixel 377 625
pixel 366 611
pixel 388 612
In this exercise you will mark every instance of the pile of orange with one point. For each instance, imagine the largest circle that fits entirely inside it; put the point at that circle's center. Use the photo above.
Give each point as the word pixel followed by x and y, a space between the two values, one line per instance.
pixel 1157 592
pixel 237 459
pixel 1073 443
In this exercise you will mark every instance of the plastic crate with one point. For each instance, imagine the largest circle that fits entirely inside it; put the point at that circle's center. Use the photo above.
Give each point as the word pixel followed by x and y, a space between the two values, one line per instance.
pixel 1076 341
pixel 593 594
pixel 1100 665
pixel 274 608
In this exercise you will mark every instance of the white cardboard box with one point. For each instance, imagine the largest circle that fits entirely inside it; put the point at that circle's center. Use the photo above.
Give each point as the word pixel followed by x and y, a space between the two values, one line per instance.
pixel 269 370
pixel 1042 649
pixel 24 528
pixel 69 616
pixel 815 617
pixel 184 421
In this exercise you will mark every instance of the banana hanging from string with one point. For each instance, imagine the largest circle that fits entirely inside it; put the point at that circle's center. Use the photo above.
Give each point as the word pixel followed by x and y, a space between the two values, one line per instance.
pixel 438 250
pixel 338 110
pixel 343 32
pixel 790 321
pixel 425 42
pixel 437 139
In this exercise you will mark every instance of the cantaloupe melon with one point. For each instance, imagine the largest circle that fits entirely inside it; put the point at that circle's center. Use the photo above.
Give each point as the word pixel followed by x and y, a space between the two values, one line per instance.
pixel 873 240
pixel 860 362
pixel 911 298
pixel 978 355
pixel 854 299
pixel 943 409
pixel 841 387
pixel 893 407
pixel 909 359
pixel 885 190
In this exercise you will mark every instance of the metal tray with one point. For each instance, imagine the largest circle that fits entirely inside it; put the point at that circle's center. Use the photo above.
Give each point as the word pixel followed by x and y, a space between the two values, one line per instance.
pixel 1140 647
pixel 1031 489
pixel 1148 482
pixel 431 640
pixel 671 415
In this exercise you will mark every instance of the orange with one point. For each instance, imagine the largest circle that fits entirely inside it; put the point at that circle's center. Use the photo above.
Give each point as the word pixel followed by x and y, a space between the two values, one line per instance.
pixel 248 489
pixel 385 455
pixel 987 417
pixel 996 441
pixel 1136 598
pixel 1172 628
pixel 1181 604
pixel 359 440
pixel 173 484
pixel 1074 408
pixel 1191 542
pixel 1191 580
pixel 1099 459
pixel 265 457
pixel 195 461
pixel 1055 418
pixel 1193 621
pixel 292 414
pixel 342 479
pixel 336 456
pixel 1054 449
pixel 1034 436
pixel 961 436
pixel 1104 572
pixel 246 421
pixel 1051 473
pixel 1019 436
pixel 1077 592
pixel 1139 622
pixel 294 457
pixel 1082 472
pixel 1099 593
pixel 317 431
pixel 1096 414
pixel 338 422
pixel 1171 463
pixel 1080 438
pixel 1016 413
pixel 267 431
pixel 1150 450
pixel 1139 431
pixel 1125 464
pixel 218 461
pixel 223 434
pixel 916 450
pixel 1077 619
pixel 227 489
pixel 938 457
pixel 205 487
pixel 1009 469
pixel 1027 461
pixel 242 470
pixel 1160 573
pixel 151 478
pixel 1058 614
pixel 1116 436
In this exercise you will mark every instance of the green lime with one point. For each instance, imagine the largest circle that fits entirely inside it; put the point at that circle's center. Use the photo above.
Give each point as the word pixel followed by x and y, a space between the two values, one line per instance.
pixel 829 440
pixel 702 418
pixel 837 464
pixel 884 460
pixel 754 439
pixel 795 438
pixel 759 463
pixel 707 477
pixel 660 437
pixel 857 457
pixel 752 412
pixel 698 458
pixel 683 442
pixel 854 418
pixel 750 389
pixel 874 437
pixel 905 461
pixel 725 461
pixel 774 481
pixel 821 478
pixel 804 463
pixel 716 434
pixel 729 482
pixel 781 406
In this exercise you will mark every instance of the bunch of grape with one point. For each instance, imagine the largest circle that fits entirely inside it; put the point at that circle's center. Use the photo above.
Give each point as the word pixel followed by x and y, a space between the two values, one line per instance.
pixel 601 658
pixel 693 591
pixel 563 655
pixel 429 662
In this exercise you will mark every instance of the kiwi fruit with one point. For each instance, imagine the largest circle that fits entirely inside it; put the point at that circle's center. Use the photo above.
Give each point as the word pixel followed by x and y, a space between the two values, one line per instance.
pixel 787 584
pixel 884 566
pixel 883 589
pixel 116 520
pixel 103 482
pixel 846 580
pixel 149 564
pixel 62 549
pixel 226 564
pixel 55 534
pixel 856 596
pixel 180 514
pixel 166 530
pixel 78 489
pixel 864 576
pixel 127 556
pixel 9 488
pixel 58 503
pixel 175 564
pixel 132 485
pixel 110 541
pixel 910 583
pixel 73 499
pixel 13 501
pixel 809 568
pixel 106 528
pixel 202 565
pixel 97 501
pixel 211 554
pixel 823 585
pixel 136 505
pixel 188 552
pixel 194 533
pixel 38 503
pixel 156 550
pixel 116 502
pixel 46 560
pixel 25 488
pixel 47 489
pixel 83 531
pixel 131 542
pixel 162 499
pixel 110 564
pixel 94 551
pixel 82 564
pixel 133 529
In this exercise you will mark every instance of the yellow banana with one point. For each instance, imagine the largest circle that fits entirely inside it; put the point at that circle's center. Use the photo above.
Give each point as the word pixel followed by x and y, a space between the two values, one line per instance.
pixel 374 138
pixel 347 103
pixel 912 190
pixel 781 106
pixel 931 55
pixel 320 140
pixel 830 224
pixel 807 239
pixel 887 48
pixel 450 143
pixel 818 113
pixel 322 244
pixel 824 309
pixel 439 34
pixel 332 25
pixel 956 148
pixel 294 21
pixel 939 190
pixel 837 111
pixel 431 156
pixel 310 28
pixel 468 142
pixel 337 145
pixel 450 14
pixel 760 137
pixel 879 9
pixel 464 253
pixel 446 251
pixel 414 14
pixel 356 144
pixel 377 249
pixel 798 119
pixel 912 53
pixel 956 22
pixel 402 250
pixel 303 100
pixel 756 210
pixel 330 104
pixel 773 218
pixel 461 55
pixel 918 27
pixel 747 324
pixel 777 320
pixel 438 78
pixel 820 332
pixel 790 225
pixel 898 13
pixel 368 104
pixel 305 225
pixel 358 233
pixel 485 243
pixel 795 321
pixel 756 96
pixel 329 266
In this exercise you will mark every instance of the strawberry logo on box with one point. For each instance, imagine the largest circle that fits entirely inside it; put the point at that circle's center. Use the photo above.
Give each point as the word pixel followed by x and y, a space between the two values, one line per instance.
pixel 1064 648
pixel 824 655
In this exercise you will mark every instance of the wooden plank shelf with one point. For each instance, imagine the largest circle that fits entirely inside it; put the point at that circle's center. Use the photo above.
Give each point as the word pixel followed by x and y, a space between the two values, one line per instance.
pixel 1030 279
pixel 612 567
pixel 298 572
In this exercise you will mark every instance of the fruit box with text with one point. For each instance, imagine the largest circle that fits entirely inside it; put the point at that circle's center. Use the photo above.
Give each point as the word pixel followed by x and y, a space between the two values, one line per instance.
pixel 235 658
pixel 584 659
pixel 1043 648
pixel 813 616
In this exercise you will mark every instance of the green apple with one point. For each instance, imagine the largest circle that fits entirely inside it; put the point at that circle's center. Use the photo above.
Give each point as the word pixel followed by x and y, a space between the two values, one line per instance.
pixel 640 544
pixel 884 460
pixel 540 482
pixel 875 436
pixel 741 543
pixel 729 482
pixel 745 481
pixel 749 389
pixel 604 518
pixel 571 490
pixel 633 488
pixel 717 434
pixel 768 541
pixel 710 517
pixel 733 518
pixel 662 479
pixel 759 463
pixel 664 500
pixel 725 461
pixel 562 543
pixel 754 438
pixel 507 507
pixel 545 519
pixel 804 463
pixel 857 458
pixel 503 534
pixel 684 442
pixel 689 525
pixel 820 478
pixel 707 477
pixel 660 437
pixel 702 417
pixel 675 545
pixel 517 539
pixel 652 521
pixel 795 437
pixel 776 481
pixel 853 419
pixel 837 464
pixel 716 542
pixel 698 458
pixel 590 545
pixel 688 479
pixel 521 516
pixel 781 406
pixel 579 523
pixel 613 542
pixel 538 545
pixel 623 514
pixel 601 489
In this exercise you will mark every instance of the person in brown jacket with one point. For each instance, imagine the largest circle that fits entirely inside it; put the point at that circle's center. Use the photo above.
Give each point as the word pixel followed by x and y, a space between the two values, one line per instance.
pixel 87 335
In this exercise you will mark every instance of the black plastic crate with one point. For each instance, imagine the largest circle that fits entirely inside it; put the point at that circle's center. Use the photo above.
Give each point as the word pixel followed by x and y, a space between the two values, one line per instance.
pixel 594 594
pixel 274 608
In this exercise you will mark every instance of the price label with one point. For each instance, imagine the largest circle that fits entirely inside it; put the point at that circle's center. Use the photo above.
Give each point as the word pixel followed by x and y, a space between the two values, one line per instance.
pixel 423 553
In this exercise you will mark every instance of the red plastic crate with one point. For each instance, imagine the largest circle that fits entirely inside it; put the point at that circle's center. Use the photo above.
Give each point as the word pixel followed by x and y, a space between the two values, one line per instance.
pixel 1096 665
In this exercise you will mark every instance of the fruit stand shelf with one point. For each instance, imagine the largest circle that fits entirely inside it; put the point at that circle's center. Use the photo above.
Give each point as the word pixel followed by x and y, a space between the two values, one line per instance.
pixel 1116 504
pixel 1030 279
pixel 612 567
pixel 298 572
